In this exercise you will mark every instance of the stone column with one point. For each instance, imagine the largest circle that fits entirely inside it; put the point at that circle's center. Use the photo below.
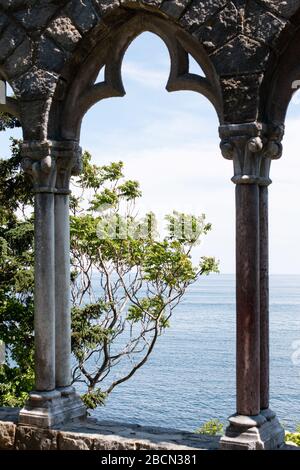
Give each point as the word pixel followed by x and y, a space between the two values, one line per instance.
pixel 44 292
pixel 41 166
pixel 250 429
pixel 62 287
pixel 53 400
pixel 272 151
pixel 264 297
pixel 62 283
pixel 247 299
pixel 68 163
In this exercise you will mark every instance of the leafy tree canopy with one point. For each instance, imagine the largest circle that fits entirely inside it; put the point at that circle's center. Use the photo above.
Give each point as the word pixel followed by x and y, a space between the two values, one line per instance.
pixel 125 280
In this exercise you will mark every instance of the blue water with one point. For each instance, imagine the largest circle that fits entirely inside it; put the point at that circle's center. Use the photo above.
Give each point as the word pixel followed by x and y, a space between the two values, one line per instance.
pixel 190 377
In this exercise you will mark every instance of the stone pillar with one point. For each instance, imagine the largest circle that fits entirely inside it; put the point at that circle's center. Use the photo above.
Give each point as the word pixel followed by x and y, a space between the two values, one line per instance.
pixel 68 163
pixel 54 401
pixel 62 288
pixel 44 291
pixel 251 428
pixel 272 151
pixel 264 297
pixel 247 299
pixel 41 166
pixel 62 283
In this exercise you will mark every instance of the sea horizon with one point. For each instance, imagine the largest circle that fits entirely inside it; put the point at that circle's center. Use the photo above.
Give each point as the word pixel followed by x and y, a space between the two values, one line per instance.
pixel 190 376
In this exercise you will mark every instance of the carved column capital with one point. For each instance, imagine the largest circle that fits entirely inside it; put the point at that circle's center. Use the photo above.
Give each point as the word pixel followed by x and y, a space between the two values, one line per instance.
pixel 251 146
pixel 51 164
pixel 39 163
pixel 68 156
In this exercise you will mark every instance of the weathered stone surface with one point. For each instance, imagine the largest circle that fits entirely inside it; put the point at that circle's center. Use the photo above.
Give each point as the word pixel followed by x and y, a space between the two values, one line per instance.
pixel 15 4
pixel 35 84
pixel 199 12
pixel 216 24
pixel 239 56
pixel 265 436
pixel 152 3
pixel 116 443
pixel 106 6
pixel 91 434
pixel 63 31
pixel 69 441
pixel 122 437
pixel 284 7
pixel 31 438
pixel 20 60
pixel 83 14
pixel 241 95
pixel 3 21
pixel 36 16
pixel 175 8
pixel 7 435
pixel 50 56
pixel 11 37
pixel 34 116
pixel 109 435
pixel 263 25
pixel 219 29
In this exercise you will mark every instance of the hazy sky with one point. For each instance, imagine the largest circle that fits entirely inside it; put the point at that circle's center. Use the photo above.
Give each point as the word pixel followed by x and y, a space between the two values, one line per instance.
pixel 169 142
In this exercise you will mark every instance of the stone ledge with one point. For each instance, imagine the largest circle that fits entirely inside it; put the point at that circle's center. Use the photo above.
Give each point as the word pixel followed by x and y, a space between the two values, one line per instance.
pixel 91 434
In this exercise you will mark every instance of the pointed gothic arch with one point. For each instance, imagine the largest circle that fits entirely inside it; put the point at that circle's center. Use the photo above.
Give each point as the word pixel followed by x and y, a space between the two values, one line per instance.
pixel 51 53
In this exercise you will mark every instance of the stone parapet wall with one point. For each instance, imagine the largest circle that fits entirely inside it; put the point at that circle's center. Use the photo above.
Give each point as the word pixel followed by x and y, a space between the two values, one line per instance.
pixel 91 434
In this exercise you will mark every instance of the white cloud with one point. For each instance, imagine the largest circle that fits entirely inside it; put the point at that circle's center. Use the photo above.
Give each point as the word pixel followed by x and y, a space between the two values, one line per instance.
pixel 148 77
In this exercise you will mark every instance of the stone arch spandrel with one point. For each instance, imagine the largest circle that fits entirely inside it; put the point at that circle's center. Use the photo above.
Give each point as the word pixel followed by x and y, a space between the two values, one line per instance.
pixel 108 54
pixel 42 42
pixel 282 78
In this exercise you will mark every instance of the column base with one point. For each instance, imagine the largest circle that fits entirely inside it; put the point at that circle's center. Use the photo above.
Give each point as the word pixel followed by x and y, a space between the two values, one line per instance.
pixel 48 409
pixel 261 432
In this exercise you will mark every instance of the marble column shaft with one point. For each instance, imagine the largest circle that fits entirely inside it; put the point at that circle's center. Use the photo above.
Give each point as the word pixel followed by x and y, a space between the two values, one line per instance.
pixel 62 292
pixel 44 293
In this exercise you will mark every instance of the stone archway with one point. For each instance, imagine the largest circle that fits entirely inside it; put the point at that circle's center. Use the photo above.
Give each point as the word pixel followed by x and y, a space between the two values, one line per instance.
pixel 51 52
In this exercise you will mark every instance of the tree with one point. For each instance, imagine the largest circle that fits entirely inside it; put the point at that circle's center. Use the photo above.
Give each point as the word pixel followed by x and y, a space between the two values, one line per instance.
pixel 16 281
pixel 125 281
pixel 8 122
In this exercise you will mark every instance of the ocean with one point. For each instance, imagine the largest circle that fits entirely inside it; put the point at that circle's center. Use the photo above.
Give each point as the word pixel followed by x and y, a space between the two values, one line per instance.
pixel 190 377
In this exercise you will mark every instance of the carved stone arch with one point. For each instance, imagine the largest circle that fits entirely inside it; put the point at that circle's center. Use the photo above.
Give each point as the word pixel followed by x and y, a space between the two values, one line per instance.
pixel 285 80
pixel 82 93
pixel 51 52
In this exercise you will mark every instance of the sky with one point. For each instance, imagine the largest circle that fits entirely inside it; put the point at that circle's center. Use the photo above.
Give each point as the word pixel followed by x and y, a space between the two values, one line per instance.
pixel 169 143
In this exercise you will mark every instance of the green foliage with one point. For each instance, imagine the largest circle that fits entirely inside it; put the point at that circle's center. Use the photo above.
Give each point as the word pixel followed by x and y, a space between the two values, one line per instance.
pixel 293 437
pixel 86 331
pixel 213 427
pixel 8 122
pixel 15 384
pixel 124 287
pixel 187 228
pixel 16 280
pixel 16 191
pixel 94 398
pixel 153 306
